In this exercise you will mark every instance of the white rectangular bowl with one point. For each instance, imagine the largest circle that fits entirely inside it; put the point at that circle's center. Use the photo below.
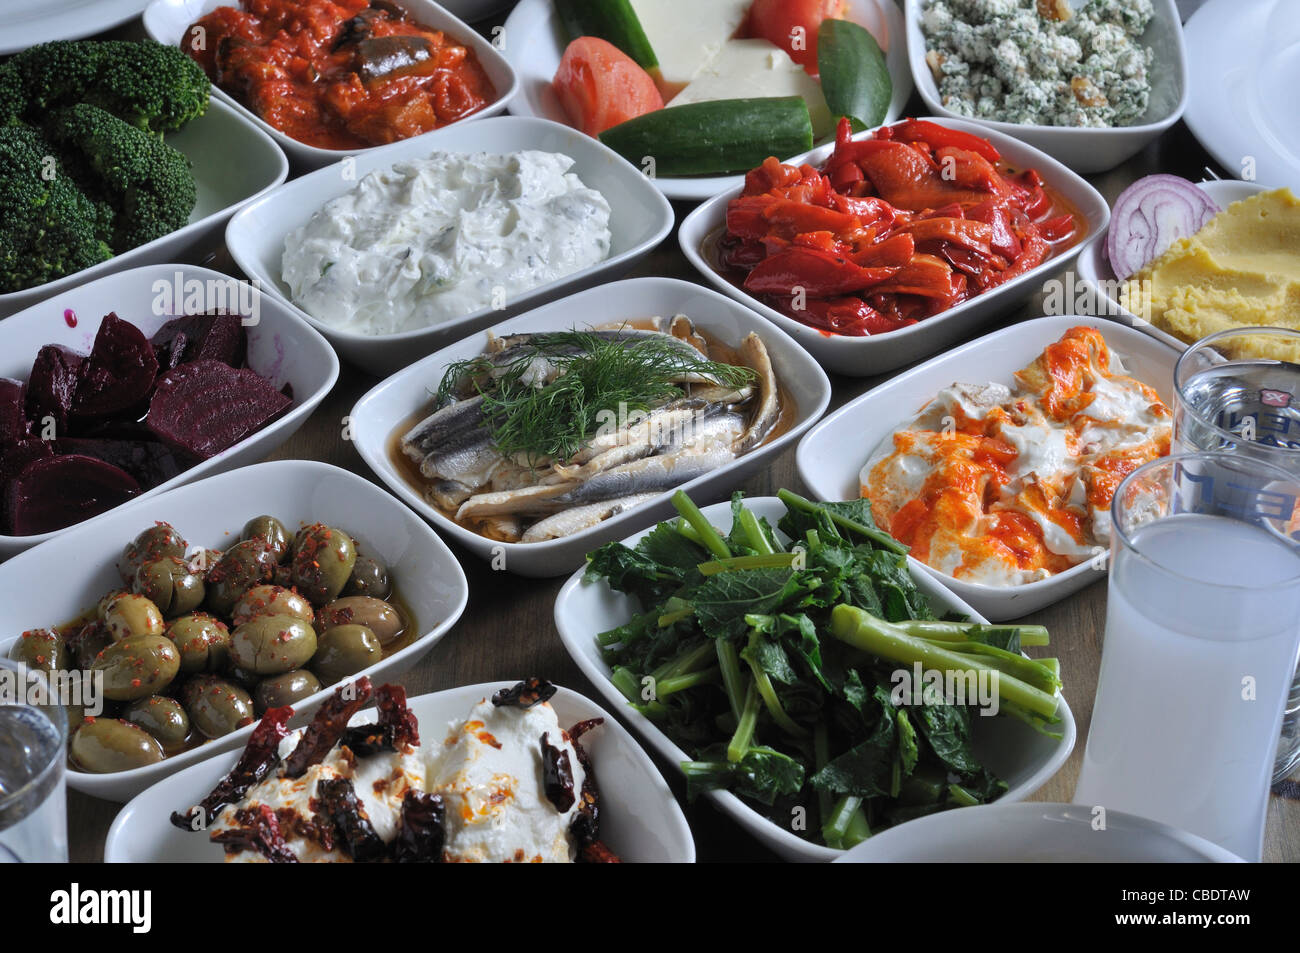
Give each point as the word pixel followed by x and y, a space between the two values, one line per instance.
pixel 830 457
pixel 57 582
pixel 640 820
pixel 1085 150
pixel 281 347
pixel 879 353
pixel 167 20
pixel 640 218
pixel 1011 749
pixel 380 412
pixel 223 185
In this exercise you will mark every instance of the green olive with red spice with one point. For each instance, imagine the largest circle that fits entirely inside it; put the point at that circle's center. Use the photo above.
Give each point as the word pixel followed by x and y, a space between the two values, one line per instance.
pixel 270 599
pixel 242 567
pixel 156 542
pixel 108 745
pixel 203 641
pixel 272 531
pixel 369 578
pixel 164 718
pixel 133 614
pixel 137 666
pixel 287 689
pixel 42 649
pixel 345 650
pixel 273 644
pixel 322 562
pixel 170 585
pixel 216 706
pixel 92 639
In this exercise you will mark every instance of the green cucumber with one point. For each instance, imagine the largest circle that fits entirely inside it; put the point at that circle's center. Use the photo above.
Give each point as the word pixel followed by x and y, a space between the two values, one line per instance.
pixel 854 77
pixel 611 20
pixel 713 138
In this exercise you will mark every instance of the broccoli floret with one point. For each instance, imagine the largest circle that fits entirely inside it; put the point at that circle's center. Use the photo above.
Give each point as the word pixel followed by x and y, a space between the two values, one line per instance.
pixel 148 184
pixel 46 224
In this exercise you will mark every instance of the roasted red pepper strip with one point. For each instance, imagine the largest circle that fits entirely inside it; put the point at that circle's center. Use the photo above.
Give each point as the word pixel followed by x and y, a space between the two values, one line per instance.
pixel 261 755
pixel 937 136
pixel 959 231
pixel 895 251
pixel 328 726
pixel 1057 229
pixel 819 274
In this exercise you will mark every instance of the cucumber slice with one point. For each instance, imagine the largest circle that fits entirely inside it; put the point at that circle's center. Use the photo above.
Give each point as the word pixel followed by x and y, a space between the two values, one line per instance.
pixel 854 77
pixel 612 20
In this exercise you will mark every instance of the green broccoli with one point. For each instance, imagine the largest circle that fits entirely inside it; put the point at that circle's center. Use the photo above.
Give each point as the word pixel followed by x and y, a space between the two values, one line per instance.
pixel 148 184
pixel 47 226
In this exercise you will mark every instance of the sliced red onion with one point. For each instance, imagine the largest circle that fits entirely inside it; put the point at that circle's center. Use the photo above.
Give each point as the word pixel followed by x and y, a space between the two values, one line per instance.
pixel 1152 214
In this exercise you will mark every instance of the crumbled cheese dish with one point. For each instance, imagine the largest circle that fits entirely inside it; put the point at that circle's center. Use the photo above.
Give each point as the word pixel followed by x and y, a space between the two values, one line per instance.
pixel 1036 62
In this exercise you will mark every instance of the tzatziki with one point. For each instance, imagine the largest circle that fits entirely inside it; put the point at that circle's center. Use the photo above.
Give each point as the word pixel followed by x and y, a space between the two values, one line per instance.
pixel 430 240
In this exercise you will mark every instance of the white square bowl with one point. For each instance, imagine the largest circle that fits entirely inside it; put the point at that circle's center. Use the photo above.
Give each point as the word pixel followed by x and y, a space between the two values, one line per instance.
pixel 384 409
pixel 223 186
pixel 879 353
pixel 639 818
pixel 281 347
pixel 167 20
pixel 1085 150
pixel 830 457
pixel 59 581
pixel 1011 749
pixel 640 218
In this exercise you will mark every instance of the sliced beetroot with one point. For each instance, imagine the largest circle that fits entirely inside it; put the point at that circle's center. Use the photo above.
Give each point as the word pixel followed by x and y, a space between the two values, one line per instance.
pixel 13 422
pixel 198 337
pixel 150 462
pixel 56 492
pixel 204 407
pixel 51 386
pixel 14 458
pixel 119 372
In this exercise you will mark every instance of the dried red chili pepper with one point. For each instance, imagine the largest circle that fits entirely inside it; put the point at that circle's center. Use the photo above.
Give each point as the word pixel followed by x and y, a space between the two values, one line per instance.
pixel 526 694
pixel 557 775
pixel 396 717
pixel 259 831
pixel 261 755
pixel 421 830
pixel 357 837
pixel 328 726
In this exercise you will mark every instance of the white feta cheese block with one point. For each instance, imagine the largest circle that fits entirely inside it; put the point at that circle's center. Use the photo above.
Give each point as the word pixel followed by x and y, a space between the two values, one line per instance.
pixel 686 34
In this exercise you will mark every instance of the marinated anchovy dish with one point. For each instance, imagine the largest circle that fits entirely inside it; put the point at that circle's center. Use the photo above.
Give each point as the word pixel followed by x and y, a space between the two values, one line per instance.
pixel 1039 62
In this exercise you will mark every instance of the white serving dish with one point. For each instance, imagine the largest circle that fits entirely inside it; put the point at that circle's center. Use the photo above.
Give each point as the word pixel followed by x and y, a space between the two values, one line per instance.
pixel 167 20
pixel 830 457
pixel 1085 150
pixel 472 11
pixel 876 354
pixel 640 820
pixel 1036 833
pixel 537 57
pixel 223 186
pixel 68 575
pixel 1019 755
pixel 385 408
pixel 640 219
pixel 281 347
pixel 28 22
pixel 1095 273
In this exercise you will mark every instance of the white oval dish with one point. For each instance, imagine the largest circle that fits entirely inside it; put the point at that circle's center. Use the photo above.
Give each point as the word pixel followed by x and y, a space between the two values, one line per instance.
pixel 1019 755
pixel 640 820
pixel 537 58
pixel 1035 833
pixel 1085 150
pixel 830 457
pixel 640 219
pixel 59 581
pixel 167 20
pixel 281 347
pixel 380 412
pixel 876 354
pixel 223 186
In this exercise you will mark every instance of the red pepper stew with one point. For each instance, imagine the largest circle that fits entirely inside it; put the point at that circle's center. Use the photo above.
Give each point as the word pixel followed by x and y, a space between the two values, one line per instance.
pixel 339 74
pixel 893 229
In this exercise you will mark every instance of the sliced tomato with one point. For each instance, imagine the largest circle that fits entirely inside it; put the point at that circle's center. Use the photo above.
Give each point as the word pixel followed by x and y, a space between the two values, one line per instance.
pixel 793 25
pixel 600 86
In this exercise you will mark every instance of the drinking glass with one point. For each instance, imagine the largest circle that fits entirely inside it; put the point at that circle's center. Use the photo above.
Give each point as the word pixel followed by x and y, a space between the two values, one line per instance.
pixel 33 735
pixel 1239 391
pixel 1202 630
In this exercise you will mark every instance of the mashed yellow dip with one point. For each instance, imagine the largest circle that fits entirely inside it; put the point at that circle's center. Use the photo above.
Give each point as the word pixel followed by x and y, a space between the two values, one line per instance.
pixel 1241 269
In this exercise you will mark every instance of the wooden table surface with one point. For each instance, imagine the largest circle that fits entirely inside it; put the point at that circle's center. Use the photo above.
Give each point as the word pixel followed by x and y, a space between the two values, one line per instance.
pixel 508 632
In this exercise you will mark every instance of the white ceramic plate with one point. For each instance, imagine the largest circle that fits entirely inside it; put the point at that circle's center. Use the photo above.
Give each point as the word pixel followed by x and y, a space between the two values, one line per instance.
pixel 381 412
pixel 640 218
pixel 281 347
pixel 1019 755
pixel 28 22
pixel 62 579
pixel 876 354
pixel 1241 54
pixel 535 42
pixel 223 185
pixel 640 820
pixel 1087 150
pixel 831 455
pixel 167 20
pixel 1095 273
pixel 1034 833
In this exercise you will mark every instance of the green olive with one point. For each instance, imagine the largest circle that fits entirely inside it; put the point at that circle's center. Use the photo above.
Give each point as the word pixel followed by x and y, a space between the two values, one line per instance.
pixel 273 644
pixel 345 650
pixel 133 614
pixel 369 578
pixel 157 542
pixel 322 562
pixel 282 576
pixel 89 642
pixel 216 707
pixel 243 566
pixel 106 745
pixel 136 666
pixel 162 717
pixel 106 603
pixel 287 689
pixel 270 529
pixel 170 584
pixel 375 614
pixel 42 649
pixel 271 600
pixel 202 640
pixel 243 677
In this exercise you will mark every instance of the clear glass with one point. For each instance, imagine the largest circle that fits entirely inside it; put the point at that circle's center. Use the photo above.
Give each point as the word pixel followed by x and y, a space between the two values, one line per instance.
pixel 1202 631
pixel 1239 391
pixel 33 738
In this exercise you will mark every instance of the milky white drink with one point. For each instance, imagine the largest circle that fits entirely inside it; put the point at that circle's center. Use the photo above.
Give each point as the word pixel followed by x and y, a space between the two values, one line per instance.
pixel 1193 676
